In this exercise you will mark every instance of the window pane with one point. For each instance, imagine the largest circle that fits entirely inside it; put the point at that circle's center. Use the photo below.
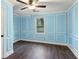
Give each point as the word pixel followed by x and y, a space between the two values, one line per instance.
pixel 40 25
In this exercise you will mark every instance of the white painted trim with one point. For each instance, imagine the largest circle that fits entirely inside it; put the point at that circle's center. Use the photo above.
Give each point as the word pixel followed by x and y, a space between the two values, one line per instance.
pixel 15 40
pixel 41 13
pixel 53 12
pixel 9 3
pixel 72 6
pixel 73 35
pixel 15 14
pixel 73 50
pixel 56 43
pixel 6 54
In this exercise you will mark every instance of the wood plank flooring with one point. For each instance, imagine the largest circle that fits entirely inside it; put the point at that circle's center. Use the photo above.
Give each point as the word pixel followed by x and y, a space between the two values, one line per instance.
pixel 31 50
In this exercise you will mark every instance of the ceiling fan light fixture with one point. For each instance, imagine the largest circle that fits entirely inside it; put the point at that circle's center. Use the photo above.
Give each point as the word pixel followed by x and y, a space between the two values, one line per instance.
pixel 31 7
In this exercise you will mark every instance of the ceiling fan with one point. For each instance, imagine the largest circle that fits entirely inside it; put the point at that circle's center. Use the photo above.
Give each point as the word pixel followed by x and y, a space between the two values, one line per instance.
pixel 31 4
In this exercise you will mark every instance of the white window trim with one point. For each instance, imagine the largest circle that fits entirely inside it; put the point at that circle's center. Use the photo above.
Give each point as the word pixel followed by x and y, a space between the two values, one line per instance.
pixel 36 25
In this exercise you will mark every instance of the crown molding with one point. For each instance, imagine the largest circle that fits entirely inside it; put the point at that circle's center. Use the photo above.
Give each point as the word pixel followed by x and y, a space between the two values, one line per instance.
pixel 72 5
pixel 41 13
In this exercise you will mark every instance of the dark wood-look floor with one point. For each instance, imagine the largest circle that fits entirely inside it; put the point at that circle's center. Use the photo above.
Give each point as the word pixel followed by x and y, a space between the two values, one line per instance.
pixel 30 50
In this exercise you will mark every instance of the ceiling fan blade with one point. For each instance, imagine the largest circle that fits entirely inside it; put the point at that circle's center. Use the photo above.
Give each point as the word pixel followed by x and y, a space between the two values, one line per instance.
pixel 22 2
pixel 41 6
pixel 30 2
pixel 24 8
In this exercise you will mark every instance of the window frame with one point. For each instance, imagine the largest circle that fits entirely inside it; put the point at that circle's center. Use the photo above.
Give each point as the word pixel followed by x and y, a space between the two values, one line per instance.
pixel 36 24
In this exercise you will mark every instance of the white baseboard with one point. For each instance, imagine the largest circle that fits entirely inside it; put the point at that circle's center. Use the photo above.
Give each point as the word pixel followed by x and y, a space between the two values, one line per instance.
pixel 6 54
pixel 16 40
pixel 56 43
pixel 73 50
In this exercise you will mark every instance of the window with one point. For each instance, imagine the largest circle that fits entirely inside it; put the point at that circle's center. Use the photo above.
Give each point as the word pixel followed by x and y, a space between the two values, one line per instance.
pixel 40 25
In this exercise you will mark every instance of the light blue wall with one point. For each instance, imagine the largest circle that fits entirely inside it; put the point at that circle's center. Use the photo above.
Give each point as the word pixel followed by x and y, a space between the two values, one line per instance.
pixel 73 27
pixel 60 27
pixel 55 29
pixel 17 25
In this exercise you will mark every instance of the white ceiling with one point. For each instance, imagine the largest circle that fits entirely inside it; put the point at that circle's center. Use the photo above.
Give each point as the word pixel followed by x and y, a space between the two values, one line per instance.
pixel 51 6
